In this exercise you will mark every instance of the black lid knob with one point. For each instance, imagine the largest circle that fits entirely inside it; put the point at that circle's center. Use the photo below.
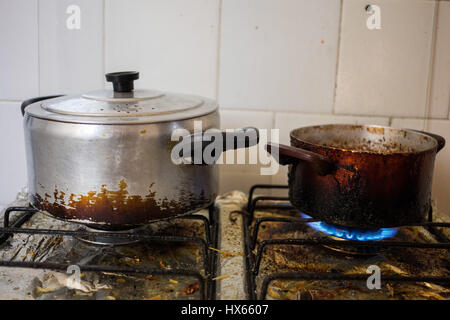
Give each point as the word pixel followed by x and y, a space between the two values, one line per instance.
pixel 122 81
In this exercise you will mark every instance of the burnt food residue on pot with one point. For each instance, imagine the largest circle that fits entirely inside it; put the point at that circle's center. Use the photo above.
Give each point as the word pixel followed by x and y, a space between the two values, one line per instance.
pixel 117 207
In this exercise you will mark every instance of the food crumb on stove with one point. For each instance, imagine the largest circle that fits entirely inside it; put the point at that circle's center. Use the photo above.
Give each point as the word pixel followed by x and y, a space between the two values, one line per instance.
pixel 190 289
pixel 272 293
pixel 224 276
pixel 226 254
pixel 173 281
pixel 396 269
pixel 110 298
pixel 390 289
pixel 158 297
pixel 130 260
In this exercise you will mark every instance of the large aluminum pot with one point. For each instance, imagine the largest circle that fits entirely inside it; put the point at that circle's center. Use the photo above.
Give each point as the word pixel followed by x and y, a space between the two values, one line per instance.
pixel 104 158
pixel 361 176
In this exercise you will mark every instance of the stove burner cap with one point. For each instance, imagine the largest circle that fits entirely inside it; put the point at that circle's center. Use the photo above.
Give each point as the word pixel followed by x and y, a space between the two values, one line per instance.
pixel 350 233
pixel 101 238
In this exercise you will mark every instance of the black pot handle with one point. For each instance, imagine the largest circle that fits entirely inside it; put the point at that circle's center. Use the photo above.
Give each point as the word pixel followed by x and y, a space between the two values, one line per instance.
pixel 440 140
pixel 242 138
pixel 33 100
pixel 290 155
pixel 239 138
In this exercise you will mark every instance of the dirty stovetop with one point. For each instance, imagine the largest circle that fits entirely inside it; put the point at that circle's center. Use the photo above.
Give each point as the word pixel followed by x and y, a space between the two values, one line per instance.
pixel 230 273
pixel 26 283
pixel 401 261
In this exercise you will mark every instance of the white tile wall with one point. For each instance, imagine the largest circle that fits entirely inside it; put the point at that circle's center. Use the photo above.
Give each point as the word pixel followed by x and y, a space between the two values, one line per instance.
pixel 18 49
pixel 288 121
pixel 232 119
pixel 242 177
pixel 71 60
pixel 173 43
pixel 278 55
pixel 230 180
pixel 385 71
pixel 440 82
pixel 407 123
pixel 272 64
pixel 441 177
pixel 12 149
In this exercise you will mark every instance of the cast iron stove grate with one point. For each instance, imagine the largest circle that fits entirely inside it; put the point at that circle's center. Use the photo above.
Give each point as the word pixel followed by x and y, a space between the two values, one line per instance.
pixel 207 286
pixel 255 250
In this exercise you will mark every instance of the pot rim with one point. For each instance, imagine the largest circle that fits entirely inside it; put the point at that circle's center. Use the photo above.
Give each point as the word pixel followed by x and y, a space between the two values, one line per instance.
pixel 367 152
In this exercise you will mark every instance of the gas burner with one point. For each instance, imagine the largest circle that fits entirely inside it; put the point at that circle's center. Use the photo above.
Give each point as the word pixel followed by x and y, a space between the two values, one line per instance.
pixel 343 234
pixel 351 250
pixel 350 233
pixel 101 238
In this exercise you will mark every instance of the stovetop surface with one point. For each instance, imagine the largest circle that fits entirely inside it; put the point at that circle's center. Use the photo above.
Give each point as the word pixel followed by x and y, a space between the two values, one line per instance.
pixel 404 261
pixel 233 268
pixel 24 283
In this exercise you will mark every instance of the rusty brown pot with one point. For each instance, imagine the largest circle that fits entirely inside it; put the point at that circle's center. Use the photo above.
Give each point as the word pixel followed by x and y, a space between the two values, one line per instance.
pixel 360 176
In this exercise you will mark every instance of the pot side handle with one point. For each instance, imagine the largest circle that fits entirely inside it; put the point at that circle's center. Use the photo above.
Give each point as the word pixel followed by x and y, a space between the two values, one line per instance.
pixel 33 100
pixel 440 140
pixel 290 155
pixel 236 139
pixel 242 138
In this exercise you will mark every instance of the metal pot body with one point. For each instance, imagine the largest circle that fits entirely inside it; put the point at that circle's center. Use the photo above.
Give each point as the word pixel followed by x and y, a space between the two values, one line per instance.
pixel 114 176
pixel 361 176
pixel 387 191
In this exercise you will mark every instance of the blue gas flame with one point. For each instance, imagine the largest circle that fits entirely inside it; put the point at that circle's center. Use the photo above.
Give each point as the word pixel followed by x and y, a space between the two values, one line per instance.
pixel 350 233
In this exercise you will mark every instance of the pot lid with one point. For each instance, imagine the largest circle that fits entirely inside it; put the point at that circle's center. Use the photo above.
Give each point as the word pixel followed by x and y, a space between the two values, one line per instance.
pixel 123 104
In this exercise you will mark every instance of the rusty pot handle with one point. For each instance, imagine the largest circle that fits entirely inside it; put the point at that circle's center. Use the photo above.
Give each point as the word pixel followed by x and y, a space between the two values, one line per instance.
pixel 289 155
pixel 440 140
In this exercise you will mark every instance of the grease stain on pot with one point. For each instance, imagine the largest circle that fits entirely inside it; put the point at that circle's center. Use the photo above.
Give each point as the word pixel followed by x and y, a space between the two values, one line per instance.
pixel 117 208
pixel 375 130
pixel 171 144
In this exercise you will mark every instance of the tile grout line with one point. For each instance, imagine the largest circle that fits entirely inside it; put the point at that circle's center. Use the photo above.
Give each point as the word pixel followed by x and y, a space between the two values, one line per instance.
pixel 10 101
pixel 219 45
pixel 386 116
pixel 427 111
pixel 338 51
pixel 38 49
pixel 103 40
pixel 274 113
pixel 448 105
